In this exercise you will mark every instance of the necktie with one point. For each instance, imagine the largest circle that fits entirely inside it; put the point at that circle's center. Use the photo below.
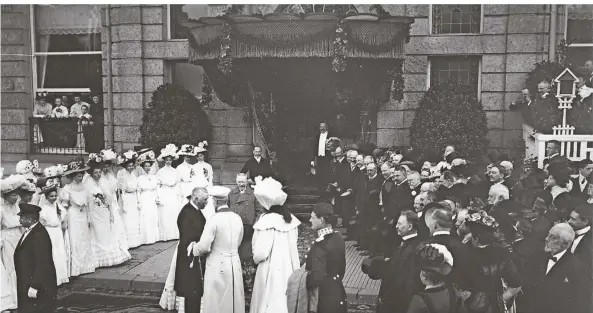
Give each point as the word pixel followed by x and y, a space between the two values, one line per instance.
pixel 583 181
pixel 553 258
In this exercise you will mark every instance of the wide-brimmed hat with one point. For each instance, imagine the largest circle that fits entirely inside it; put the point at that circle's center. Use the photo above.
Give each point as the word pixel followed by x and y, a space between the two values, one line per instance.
pixel 187 150
pixel 169 150
pixel 12 183
pixel 53 171
pixel 76 166
pixel 95 161
pixel 127 157
pixel 434 257
pixel 146 155
pixel 268 192
pixel 41 95
pixel 108 155
pixel 201 147
pixel 28 186
pixel 49 186
pixel 481 218
pixel 24 167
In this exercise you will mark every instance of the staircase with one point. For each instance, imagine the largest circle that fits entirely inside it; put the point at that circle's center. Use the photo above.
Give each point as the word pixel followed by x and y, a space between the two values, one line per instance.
pixel 301 201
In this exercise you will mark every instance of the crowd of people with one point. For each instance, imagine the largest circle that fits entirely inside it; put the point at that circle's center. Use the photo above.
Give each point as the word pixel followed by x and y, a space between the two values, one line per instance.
pixel 448 236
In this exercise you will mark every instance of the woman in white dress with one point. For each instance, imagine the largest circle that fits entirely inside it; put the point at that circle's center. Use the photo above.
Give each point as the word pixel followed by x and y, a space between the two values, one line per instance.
pixel 11 232
pixel 274 248
pixel 74 198
pixel 203 174
pixel 185 170
pixel 169 193
pixel 104 237
pixel 109 159
pixel 51 217
pixel 148 200
pixel 127 182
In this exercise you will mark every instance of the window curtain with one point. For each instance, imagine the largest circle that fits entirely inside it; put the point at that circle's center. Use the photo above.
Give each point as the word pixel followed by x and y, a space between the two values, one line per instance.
pixel 67 19
pixel 42 46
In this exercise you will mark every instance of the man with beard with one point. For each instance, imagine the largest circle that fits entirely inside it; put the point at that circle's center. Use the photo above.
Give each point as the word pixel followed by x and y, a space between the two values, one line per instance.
pixel 189 269
pixel 349 180
pixel 400 278
pixel 340 182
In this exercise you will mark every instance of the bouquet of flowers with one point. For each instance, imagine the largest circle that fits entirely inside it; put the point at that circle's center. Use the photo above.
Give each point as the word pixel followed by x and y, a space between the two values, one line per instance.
pixel 482 218
pixel 99 199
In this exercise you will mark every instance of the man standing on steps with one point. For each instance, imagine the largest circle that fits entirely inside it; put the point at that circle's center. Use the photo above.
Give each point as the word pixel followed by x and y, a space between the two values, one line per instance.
pixel 190 268
pixel 257 166
pixel 322 157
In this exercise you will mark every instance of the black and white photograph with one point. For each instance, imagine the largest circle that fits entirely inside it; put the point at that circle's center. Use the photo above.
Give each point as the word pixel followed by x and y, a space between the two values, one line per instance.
pixel 296 158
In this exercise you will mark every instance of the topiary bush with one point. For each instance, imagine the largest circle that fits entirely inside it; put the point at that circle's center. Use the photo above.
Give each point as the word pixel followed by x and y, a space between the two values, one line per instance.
pixel 450 114
pixel 174 115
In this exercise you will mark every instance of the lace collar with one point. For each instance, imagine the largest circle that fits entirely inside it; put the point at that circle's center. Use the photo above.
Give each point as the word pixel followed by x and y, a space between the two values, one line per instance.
pixel 323 232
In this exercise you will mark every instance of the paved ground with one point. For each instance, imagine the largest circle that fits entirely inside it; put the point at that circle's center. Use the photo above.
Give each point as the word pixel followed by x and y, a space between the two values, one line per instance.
pixel 148 269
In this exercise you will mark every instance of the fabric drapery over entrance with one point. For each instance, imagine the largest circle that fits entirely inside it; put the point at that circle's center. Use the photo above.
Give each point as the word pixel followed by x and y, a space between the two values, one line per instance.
pixel 290 36
pixel 67 19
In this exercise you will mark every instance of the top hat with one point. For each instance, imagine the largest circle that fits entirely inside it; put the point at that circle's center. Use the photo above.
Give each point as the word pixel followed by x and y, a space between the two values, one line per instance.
pixel 28 209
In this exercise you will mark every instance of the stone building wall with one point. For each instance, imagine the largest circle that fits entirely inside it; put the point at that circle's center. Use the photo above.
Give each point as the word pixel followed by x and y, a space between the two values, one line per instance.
pixel 17 89
pixel 513 39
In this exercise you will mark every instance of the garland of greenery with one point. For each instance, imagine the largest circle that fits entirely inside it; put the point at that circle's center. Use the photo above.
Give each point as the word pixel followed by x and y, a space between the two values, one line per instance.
pixel 225 60
pixel 340 45
pixel 206 91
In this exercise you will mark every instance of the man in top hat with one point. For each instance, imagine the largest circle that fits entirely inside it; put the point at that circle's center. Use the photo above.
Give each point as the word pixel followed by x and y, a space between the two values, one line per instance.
pixel 190 267
pixel 34 265
pixel 220 240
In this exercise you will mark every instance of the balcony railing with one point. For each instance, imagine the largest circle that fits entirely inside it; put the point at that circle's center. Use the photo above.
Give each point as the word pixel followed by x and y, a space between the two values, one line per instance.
pixel 64 136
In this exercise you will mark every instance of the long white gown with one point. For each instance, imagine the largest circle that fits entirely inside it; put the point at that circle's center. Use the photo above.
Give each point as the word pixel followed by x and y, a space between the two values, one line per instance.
pixel 275 251
pixel 11 233
pixel 53 223
pixel 149 214
pixel 104 237
pixel 186 174
pixel 128 185
pixel 74 198
pixel 169 299
pixel 169 193
pixel 203 174
pixel 118 223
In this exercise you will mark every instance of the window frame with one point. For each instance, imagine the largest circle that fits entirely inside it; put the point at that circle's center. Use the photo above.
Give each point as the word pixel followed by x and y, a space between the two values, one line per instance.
pixel 35 54
pixel 572 45
pixel 429 67
pixel 481 32
pixel 169 38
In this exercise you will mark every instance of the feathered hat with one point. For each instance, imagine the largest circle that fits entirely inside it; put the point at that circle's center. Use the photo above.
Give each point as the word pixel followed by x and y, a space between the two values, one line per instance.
pixel 169 150
pixel 186 150
pixel 127 157
pixel 434 257
pixel 12 183
pixel 108 155
pixel 201 147
pixel 481 218
pixel 28 186
pixel 50 185
pixel 24 167
pixel 95 161
pixel 53 171
pixel 76 166
pixel 146 155
pixel 268 192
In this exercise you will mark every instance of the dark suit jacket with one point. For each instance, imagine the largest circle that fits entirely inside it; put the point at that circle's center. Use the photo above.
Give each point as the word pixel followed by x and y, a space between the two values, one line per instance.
pixel 576 192
pixel 315 145
pixel 584 251
pixel 459 275
pixel 244 206
pixel 188 280
pixel 545 113
pixel 400 278
pixel 342 175
pixel 34 265
pixel 388 199
pixel 255 169
pixel 326 263
pixel 563 289
pixel 373 189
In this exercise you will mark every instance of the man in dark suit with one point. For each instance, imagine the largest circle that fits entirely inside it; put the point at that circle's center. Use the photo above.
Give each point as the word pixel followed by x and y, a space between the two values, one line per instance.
pixel 440 222
pixel 555 281
pixel 189 277
pixel 581 182
pixel 34 265
pixel 400 278
pixel 346 183
pixel 544 109
pixel 388 203
pixel 522 105
pixel 339 182
pixel 257 166
pixel 581 220
pixel 553 154
pixel 322 157
pixel 371 215
pixel 242 201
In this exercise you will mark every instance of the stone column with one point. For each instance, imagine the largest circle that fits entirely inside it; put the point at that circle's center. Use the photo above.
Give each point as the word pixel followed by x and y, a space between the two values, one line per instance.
pixel 17 88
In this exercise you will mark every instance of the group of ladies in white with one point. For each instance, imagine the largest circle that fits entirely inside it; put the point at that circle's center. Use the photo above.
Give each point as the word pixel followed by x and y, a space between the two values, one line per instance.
pixel 94 212
pixel 275 252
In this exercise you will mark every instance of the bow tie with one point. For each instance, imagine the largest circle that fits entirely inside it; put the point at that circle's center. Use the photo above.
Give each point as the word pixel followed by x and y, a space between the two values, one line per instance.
pixel 552 258
pixel 583 181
